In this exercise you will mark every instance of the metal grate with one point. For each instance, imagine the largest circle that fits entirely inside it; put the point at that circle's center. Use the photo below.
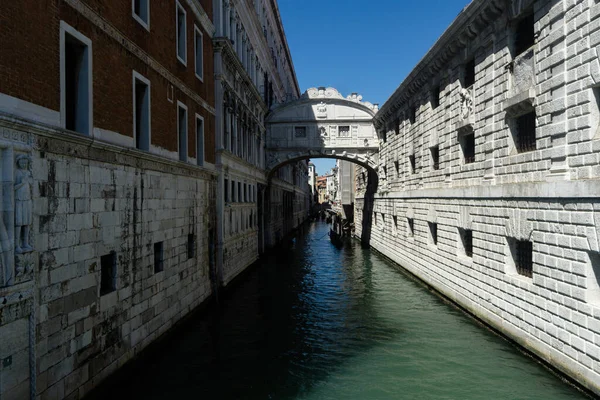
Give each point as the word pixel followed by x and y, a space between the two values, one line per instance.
pixel 524 257
pixel 468 242
pixel 526 132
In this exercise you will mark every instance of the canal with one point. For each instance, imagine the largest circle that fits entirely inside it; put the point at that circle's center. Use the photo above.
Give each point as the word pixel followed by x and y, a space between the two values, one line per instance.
pixel 318 322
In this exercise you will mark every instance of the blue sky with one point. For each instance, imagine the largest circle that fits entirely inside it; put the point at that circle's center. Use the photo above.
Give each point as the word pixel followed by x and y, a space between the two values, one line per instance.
pixel 361 46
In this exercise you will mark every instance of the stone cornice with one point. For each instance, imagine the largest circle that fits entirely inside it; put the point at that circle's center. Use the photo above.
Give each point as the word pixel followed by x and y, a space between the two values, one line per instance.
pixel 202 16
pixel 229 57
pixel 151 161
pixel 475 17
pixel 548 191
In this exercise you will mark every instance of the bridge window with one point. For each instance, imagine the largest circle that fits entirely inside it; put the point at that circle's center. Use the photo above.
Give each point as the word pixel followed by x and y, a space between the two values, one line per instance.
pixel 524 132
pixel 433 228
pixel 344 131
pixel 158 257
pixel 467 145
pixel 108 271
pixel 524 34
pixel 300 131
pixel 522 253
pixel 466 238
pixel 191 246
pixel 469 73
pixel 435 157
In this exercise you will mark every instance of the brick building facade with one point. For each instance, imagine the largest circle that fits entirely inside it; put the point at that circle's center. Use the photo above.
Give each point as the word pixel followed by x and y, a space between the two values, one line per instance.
pixel 107 121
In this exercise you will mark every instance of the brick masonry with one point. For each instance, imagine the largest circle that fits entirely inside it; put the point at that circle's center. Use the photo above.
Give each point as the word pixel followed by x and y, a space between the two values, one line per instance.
pixel 548 196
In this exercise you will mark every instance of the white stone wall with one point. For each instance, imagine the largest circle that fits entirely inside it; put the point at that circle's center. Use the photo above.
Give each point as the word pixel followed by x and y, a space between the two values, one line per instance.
pixel 548 196
pixel 90 200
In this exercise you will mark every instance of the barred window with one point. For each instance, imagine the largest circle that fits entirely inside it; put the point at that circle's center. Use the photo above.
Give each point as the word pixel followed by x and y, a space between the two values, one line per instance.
pixel 525 133
pixel 435 157
pixel 524 34
pixel 435 97
pixel 469 73
pixel 412 162
pixel 467 143
pixel 466 236
pixel 524 257
pixel 433 231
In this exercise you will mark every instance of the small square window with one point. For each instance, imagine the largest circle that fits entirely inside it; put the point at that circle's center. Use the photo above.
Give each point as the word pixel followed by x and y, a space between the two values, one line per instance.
pixel 411 226
pixel 300 131
pixel 524 34
pixel 433 232
pixel 435 157
pixel 412 162
pixel 435 97
pixel 523 257
pixel 525 133
pixel 141 12
pixel 466 237
pixel 467 144
pixel 158 257
pixel 108 278
pixel 469 73
pixel 191 246
pixel 344 131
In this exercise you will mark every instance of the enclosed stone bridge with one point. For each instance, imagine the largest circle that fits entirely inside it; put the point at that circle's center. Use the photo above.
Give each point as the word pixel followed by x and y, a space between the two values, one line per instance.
pixel 322 124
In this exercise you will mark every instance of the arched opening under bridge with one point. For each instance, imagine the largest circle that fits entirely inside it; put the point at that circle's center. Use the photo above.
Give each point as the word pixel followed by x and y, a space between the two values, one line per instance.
pixel 322 124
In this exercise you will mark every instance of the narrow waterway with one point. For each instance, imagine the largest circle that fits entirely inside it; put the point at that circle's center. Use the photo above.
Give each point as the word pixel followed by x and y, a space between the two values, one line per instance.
pixel 318 322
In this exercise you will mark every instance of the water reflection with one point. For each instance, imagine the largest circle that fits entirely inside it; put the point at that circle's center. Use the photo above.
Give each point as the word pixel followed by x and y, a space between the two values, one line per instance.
pixel 317 322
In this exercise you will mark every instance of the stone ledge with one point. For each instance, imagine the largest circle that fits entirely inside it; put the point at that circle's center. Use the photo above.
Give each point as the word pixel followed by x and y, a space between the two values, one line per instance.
pixel 93 148
pixel 519 104
pixel 534 190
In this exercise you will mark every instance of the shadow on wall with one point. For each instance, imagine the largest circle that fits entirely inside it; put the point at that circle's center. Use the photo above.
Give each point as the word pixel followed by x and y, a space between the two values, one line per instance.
pixel 367 212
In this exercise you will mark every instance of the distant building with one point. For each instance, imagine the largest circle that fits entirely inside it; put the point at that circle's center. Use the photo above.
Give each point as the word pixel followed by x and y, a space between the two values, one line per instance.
pixel 322 189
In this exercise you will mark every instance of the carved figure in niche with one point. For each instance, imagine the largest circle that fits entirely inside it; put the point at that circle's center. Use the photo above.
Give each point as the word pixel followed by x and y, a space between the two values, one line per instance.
pixel 323 131
pixel 466 103
pixel 366 142
pixel 23 204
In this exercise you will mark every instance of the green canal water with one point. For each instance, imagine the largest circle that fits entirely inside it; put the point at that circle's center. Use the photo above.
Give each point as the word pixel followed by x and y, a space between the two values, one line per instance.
pixel 316 322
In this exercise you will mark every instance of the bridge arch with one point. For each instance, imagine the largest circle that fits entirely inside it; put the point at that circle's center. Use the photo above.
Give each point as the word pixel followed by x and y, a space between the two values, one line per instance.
pixel 322 124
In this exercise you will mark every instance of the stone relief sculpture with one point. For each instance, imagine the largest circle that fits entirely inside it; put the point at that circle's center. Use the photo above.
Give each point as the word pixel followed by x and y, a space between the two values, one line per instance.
pixel 466 104
pixel 5 251
pixel 23 204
